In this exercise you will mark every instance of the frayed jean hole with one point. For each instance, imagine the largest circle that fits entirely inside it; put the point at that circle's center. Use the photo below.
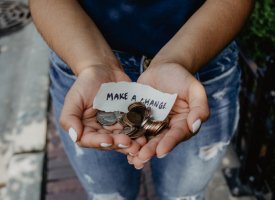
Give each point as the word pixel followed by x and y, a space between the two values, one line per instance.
pixel 89 179
pixel 219 95
pixel 78 150
pixel 211 151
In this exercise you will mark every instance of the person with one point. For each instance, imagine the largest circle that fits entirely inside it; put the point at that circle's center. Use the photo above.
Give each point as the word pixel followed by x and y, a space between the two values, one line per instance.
pixel 192 52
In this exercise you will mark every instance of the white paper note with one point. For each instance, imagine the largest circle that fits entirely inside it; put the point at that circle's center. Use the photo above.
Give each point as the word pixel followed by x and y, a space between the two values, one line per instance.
pixel 118 96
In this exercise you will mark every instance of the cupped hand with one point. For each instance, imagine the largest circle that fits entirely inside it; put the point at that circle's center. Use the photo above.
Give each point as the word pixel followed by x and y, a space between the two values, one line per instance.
pixel 189 111
pixel 79 118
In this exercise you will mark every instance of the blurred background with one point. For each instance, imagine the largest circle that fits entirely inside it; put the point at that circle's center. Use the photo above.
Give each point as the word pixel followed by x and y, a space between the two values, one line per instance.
pixel 33 165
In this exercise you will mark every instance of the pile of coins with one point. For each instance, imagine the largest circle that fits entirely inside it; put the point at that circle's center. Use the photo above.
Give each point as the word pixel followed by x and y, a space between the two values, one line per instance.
pixel 136 122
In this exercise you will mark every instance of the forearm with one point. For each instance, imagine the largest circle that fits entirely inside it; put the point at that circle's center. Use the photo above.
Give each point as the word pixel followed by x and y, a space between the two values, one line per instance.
pixel 71 34
pixel 209 30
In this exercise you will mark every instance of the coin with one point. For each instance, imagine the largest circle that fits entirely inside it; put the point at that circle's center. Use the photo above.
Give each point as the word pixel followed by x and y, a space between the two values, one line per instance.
pixel 133 119
pixel 129 130
pixel 136 105
pixel 147 113
pixel 106 118
pixel 136 122
pixel 118 115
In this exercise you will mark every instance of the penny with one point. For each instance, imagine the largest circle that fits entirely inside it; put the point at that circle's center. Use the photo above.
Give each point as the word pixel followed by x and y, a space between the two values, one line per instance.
pixel 147 113
pixel 134 119
pixel 121 121
pixel 138 108
pixel 106 118
pixel 129 130
pixel 136 105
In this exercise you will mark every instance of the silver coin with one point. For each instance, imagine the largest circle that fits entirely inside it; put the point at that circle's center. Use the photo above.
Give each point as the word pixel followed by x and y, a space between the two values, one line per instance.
pixel 118 115
pixel 106 118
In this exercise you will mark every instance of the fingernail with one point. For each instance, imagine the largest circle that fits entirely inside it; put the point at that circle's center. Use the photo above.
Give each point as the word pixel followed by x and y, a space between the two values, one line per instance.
pixel 130 162
pixel 73 134
pixel 122 146
pixel 131 154
pixel 105 145
pixel 145 161
pixel 138 168
pixel 162 156
pixel 196 125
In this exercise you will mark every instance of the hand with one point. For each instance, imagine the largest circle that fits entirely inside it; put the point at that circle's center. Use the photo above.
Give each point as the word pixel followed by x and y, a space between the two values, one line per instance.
pixel 189 110
pixel 79 118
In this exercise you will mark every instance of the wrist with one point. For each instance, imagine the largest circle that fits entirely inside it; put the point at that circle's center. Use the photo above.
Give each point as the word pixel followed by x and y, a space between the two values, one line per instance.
pixel 102 74
pixel 108 65
pixel 178 59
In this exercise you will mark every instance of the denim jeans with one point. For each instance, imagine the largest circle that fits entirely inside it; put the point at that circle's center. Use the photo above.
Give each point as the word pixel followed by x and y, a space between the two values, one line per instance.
pixel 185 172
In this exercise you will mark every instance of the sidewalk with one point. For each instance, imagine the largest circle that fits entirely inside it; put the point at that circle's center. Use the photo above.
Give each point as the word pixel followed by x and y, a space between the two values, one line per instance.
pixel 23 107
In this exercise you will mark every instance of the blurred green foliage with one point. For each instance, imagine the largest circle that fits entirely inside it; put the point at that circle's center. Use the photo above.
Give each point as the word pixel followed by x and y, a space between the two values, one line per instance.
pixel 257 38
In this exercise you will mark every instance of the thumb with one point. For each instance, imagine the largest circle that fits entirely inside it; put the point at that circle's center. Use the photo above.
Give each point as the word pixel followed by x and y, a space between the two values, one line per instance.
pixel 70 118
pixel 198 104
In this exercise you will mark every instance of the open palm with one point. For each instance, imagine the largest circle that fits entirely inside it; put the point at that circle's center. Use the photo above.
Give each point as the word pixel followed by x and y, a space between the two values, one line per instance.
pixel 79 118
pixel 189 110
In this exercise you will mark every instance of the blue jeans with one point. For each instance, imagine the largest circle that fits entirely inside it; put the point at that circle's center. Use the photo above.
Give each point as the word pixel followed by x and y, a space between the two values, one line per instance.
pixel 185 172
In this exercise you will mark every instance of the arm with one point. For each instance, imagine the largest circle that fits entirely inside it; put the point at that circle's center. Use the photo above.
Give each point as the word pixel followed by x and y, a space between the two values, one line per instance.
pixel 74 37
pixel 213 26
pixel 71 34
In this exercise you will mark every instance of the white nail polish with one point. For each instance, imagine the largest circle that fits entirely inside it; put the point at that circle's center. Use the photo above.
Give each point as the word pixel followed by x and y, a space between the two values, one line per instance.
pixel 105 145
pixel 73 134
pixel 145 161
pixel 138 168
pixel 162 156
pixel 196 125
pixel 122 146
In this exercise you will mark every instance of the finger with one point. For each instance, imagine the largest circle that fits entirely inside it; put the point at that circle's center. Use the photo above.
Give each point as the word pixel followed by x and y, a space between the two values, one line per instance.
pixel 132 150
pixel 134 147
pixel 199 110
pixel 138 164
pixel 70 118
pixel 116 126
pixel 130 159
pixel 96 140
pixel 141 140
pixel 177 133
pixel 121 141
pixel 145 153
pixel 92 123
pixel 116 132
pixel 149 150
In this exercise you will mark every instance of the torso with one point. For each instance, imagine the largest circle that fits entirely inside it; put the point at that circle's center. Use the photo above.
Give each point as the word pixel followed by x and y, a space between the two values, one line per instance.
pixel 139 26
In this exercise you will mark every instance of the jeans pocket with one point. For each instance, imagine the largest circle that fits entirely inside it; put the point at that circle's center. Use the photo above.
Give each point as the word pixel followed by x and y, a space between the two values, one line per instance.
pixel 221 64
pixel 61 66
pixel 223 90
pixel 62 78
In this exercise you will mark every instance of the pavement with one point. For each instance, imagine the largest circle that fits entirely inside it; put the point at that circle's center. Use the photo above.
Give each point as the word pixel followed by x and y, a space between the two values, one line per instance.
pixel 23 113
pixel 24 101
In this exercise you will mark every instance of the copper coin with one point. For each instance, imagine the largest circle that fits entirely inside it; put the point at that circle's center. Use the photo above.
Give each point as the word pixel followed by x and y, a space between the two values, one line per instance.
pixel 136 105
